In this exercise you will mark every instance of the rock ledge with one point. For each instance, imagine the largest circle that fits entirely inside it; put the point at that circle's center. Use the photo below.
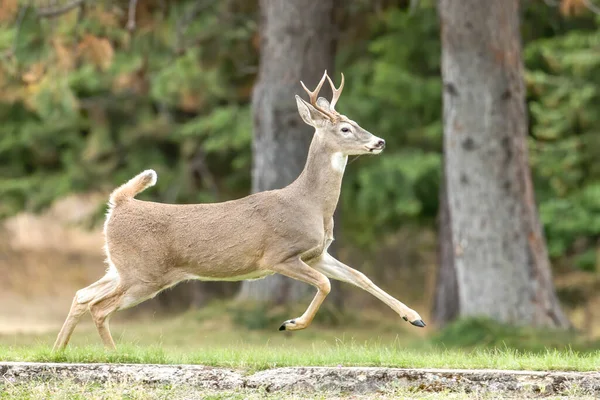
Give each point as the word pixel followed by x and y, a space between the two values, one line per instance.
pixel 315 379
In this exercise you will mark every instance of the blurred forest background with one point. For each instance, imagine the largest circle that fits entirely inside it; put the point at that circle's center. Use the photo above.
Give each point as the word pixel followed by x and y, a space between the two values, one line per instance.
pixel 93 92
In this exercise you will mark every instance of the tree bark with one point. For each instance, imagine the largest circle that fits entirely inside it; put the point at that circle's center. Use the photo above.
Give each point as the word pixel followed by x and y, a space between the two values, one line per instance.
pixel 499 252
pixel 445 303
pixel 297 43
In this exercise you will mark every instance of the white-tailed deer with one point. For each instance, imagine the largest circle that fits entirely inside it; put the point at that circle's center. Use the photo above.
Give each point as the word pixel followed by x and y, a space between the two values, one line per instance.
pixel 152 246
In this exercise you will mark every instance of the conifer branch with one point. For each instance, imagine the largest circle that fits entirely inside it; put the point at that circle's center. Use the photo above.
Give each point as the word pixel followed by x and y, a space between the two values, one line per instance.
pixel 55 12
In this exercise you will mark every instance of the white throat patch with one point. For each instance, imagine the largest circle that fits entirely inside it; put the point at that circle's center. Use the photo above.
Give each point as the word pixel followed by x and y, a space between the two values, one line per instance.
pixel 338 161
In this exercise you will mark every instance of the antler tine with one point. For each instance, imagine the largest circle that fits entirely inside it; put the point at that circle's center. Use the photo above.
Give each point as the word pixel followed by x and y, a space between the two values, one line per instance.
pixel 314 95
pixel 336 92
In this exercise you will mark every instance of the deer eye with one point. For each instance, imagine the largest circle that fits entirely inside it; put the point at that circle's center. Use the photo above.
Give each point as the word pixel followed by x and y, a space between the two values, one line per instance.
pixel 345 130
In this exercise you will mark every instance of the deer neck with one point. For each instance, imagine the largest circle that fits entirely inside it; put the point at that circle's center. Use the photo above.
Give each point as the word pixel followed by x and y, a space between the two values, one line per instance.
pixel 321 180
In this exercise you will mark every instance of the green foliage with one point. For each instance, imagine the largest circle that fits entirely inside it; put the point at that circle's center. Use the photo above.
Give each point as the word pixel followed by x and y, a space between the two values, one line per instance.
pixel 564 91
pixel 399 70
pixel 85 105
pixel 395 93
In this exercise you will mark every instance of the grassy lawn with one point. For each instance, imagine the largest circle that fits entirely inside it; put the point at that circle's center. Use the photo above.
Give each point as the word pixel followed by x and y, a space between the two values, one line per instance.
pixel 215 337
pixel 256 357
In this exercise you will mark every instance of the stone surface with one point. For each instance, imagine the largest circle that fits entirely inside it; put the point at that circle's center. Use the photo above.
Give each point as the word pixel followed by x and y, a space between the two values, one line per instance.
pixel 357 380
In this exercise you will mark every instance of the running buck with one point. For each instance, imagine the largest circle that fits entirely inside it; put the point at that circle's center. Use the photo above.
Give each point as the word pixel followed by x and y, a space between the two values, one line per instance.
pixel 152 246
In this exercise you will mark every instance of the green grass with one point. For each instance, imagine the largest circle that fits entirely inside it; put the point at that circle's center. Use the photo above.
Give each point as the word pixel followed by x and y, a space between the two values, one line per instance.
pixel 484 333
pixel 212 337
pixel 256 357
pixel 216 337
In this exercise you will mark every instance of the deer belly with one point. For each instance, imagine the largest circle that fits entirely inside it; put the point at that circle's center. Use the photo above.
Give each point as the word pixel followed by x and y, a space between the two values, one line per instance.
pixel 251 276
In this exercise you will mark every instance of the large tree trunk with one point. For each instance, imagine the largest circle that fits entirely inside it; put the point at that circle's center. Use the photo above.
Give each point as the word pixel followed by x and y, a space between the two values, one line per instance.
pixel 297 43
pixel 500 256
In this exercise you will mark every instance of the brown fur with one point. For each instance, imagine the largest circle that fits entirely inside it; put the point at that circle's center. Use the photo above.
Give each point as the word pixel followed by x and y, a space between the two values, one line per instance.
pixel 152 246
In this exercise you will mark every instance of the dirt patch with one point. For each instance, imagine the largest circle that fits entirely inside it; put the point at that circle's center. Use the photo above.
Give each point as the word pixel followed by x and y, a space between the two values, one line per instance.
pixel 355 380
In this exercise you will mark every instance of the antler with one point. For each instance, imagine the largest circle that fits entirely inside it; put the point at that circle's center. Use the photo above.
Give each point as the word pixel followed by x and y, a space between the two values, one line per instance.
pixel 315 94
pixel 336 92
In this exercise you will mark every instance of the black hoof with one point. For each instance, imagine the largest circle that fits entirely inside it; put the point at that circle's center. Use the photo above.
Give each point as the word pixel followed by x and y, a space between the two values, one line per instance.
pixel 283 328
pixel 418 323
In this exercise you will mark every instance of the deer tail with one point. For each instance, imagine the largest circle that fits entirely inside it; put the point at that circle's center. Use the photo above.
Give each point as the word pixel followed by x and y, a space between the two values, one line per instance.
pixel 134 186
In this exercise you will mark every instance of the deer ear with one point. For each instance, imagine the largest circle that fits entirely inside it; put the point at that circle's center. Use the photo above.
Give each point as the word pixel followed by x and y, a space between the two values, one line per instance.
pixel 323 103
pixel 309 114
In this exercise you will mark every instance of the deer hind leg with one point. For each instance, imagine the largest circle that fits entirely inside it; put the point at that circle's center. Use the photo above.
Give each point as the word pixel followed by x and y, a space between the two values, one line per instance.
pixel 77 310
pixel 335 269
pixel 101 311
pixel 81 303
pixel 298 270
pixel 128 294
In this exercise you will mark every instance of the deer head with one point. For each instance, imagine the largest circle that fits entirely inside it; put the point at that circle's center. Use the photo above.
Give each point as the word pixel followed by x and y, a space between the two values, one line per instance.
pixel 339 132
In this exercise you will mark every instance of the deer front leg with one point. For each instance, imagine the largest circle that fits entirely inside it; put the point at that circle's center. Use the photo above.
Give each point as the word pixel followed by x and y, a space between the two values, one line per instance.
pixel 297 269
pixel 336 269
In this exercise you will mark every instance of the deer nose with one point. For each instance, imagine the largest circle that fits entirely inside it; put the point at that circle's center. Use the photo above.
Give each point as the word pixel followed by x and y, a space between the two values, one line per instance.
pixel 381 143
